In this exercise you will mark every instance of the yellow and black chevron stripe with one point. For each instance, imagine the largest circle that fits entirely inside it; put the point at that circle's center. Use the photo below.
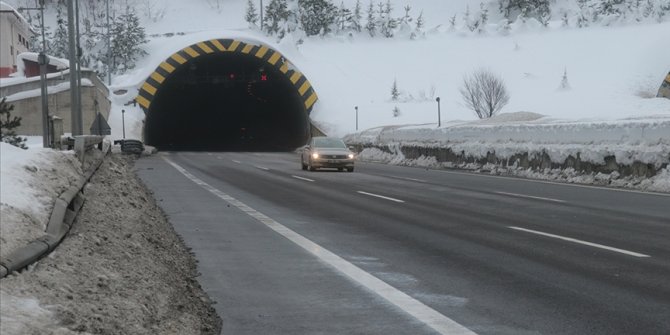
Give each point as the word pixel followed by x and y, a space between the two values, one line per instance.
pixel 664 91
pixel 272 57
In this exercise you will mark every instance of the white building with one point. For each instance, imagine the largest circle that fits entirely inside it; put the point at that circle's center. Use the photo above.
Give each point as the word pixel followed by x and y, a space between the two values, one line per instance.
pixel 15 35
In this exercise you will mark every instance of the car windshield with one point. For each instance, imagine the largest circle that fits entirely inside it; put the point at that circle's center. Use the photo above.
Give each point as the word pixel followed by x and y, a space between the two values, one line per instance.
pixel 326 142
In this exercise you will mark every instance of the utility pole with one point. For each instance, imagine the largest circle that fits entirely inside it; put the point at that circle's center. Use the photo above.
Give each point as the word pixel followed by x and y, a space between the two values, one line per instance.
pixel 43 61
pixel 76 122
pixel 261 15
pixel 109 49
pixel 78 55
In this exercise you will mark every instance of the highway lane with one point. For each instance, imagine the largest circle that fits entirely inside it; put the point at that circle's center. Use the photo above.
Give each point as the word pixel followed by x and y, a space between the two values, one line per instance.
pixel 496 255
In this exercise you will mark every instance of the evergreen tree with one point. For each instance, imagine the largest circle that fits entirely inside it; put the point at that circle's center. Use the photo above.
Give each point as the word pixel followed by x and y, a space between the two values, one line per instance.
pixel 395 92
pixel 565 85
pixel 8 124
pixel 387 24
pixel 251 15
pixel 538 9
pixel 371 26
pixel 611 7
pixel 292 22
pixel 565 22
pixel 127 37
pixel 357 16
pixel 483 18
pixel 452 23
pixel 582 18
pixel 317 16
pixel 60 44
pixel 406 19
pixel 420 22
pixel 276 12
pixel 396 111
pixel 469 22
pixel 344 16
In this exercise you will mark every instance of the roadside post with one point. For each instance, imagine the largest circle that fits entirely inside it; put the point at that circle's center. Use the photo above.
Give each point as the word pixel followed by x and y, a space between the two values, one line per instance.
pixel 439 121
pixel 356 108
pixel 123 122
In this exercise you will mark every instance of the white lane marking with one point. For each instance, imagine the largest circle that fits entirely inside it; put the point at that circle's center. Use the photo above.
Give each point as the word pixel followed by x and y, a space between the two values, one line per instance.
pixel 631 253
pixel 303 178
pixel 411 306
pixel 238 162
pixel 406 178
pixel 555 183
pixel 530 196
pixel 380 196
pixel 262 168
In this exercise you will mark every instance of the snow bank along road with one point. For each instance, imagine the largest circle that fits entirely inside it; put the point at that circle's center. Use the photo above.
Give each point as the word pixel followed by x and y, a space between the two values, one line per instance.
pixel 397 250
pixel 121 270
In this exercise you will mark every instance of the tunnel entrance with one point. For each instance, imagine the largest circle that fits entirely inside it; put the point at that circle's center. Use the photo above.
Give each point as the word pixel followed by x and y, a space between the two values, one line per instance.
pixel 227 101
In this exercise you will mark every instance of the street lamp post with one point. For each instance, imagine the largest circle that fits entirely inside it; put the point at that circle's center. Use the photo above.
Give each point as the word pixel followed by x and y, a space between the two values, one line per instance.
pixel 439 121
pixel 43 60
pixel 356 108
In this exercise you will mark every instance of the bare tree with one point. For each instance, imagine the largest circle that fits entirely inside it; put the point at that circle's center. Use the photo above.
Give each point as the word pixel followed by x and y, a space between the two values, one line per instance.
pixel 484 93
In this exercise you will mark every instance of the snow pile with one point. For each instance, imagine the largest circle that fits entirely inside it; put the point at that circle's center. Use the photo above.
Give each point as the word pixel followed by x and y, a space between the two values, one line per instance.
pixel 26 316
pixel 58 88
pixel 31 181
pixel 59 63
pixel 643 140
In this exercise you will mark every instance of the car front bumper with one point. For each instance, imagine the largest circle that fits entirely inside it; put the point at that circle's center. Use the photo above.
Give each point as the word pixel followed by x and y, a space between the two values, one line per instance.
pixel 332 163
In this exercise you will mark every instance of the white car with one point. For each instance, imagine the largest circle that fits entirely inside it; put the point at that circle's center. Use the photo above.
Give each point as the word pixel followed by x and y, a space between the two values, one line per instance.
pixel 327 152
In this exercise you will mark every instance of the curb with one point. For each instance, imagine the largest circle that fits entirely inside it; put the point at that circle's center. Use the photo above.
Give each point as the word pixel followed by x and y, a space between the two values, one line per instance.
pixel 65 209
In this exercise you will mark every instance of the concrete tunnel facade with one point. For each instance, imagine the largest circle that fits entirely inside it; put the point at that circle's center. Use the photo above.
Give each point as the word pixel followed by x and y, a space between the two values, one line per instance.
pixel 227 95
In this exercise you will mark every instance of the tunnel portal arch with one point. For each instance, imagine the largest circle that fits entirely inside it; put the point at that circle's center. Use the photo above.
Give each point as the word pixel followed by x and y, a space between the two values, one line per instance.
pixel 289 93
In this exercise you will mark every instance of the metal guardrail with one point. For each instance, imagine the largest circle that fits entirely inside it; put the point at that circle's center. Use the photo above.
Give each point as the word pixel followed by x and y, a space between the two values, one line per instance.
pixel 84 143
pixel 66 207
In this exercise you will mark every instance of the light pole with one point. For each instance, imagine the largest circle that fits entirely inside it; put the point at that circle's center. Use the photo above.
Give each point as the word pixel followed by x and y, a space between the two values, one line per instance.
pixel 439 121
pixel 356 108
pixel 43 60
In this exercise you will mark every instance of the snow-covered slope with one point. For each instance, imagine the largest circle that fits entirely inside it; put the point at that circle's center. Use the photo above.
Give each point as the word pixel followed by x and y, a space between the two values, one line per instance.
pixel 613 72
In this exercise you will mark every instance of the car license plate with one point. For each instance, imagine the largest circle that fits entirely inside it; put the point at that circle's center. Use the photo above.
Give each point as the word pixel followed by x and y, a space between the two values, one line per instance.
pixel 332 161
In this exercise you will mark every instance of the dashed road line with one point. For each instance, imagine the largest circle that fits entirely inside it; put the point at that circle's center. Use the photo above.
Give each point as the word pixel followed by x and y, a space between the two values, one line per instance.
pixel 380 196
pixel 530 197
pixel 261 168
pixel 569 239
pixel 432 318
pixel 236 161
pixel 303 178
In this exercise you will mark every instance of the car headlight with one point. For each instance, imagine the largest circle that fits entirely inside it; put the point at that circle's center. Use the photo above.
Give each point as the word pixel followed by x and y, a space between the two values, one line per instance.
pixel 315 155
pixel 351 156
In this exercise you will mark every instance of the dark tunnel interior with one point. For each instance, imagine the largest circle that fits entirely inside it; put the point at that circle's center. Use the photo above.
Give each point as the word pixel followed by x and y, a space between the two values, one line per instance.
pixel 227 102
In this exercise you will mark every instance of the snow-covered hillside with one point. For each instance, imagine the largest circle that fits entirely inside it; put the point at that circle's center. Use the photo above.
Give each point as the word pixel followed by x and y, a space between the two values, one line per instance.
pixel 613 72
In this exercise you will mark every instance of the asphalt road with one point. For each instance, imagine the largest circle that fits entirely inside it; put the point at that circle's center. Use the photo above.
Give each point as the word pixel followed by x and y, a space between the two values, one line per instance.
pixel 397 250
